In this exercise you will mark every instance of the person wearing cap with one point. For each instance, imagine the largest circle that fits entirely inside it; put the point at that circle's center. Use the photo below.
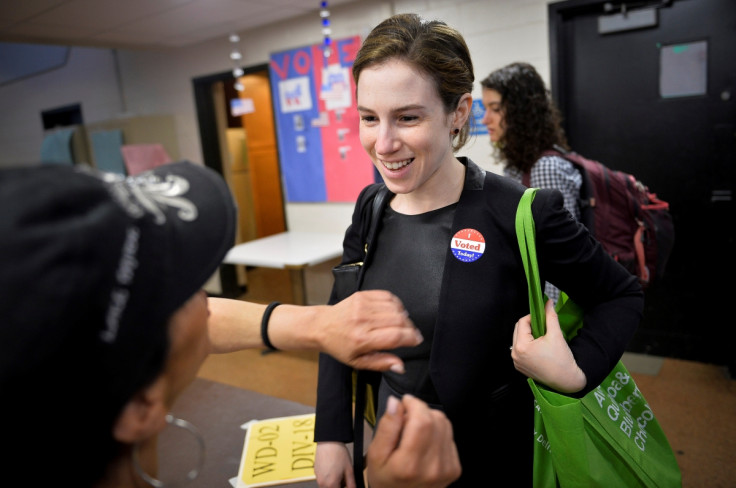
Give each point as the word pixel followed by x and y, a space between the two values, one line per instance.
pixel 105 323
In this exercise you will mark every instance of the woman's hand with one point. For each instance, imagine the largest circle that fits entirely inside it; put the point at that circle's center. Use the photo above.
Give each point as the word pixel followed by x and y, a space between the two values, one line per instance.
pixel 547 359
pixel 333 466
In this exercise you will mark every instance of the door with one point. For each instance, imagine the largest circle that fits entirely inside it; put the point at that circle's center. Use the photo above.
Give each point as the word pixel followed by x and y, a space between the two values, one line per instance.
pixel 659 101
pixel 262 154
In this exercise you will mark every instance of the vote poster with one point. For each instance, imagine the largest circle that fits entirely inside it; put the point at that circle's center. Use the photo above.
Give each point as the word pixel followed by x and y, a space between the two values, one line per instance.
pixel 317 123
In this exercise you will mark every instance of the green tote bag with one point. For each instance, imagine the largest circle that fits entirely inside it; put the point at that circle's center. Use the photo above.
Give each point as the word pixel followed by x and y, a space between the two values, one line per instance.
pixel 609 438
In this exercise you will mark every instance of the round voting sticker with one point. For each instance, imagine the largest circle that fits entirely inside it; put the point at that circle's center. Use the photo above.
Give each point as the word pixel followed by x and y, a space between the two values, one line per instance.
pixel 468 245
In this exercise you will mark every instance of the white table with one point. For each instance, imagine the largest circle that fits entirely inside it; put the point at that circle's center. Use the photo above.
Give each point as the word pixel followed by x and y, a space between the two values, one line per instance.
pixel 293 250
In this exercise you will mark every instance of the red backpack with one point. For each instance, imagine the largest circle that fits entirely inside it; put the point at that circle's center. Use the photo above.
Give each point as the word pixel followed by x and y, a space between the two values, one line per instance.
pixel 632 224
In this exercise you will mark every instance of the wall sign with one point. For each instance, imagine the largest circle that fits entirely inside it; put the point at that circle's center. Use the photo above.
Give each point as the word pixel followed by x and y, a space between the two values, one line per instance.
pixel 317 123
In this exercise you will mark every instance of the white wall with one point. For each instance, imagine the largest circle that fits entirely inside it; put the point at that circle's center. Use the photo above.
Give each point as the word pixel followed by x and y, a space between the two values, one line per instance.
pixel 87 78
pixel 160 82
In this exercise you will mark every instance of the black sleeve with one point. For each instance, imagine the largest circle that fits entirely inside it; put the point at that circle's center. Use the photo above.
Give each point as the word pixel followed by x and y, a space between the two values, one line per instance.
pixel 334 419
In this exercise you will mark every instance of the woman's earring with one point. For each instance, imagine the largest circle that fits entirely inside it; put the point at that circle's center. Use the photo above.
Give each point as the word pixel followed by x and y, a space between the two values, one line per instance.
pixel 456 131
pixel 192 474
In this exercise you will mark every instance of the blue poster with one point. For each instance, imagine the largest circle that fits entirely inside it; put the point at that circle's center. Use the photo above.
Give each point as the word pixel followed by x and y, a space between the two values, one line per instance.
pixel 476 123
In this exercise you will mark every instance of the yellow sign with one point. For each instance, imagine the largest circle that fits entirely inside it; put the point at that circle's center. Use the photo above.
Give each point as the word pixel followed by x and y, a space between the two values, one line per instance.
pixel 278 451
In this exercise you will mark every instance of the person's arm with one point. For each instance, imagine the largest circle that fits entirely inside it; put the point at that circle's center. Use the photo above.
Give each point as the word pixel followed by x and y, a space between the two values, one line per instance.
pixel 413 447
pixel 546 359
pixel 611 298
pixel 354 331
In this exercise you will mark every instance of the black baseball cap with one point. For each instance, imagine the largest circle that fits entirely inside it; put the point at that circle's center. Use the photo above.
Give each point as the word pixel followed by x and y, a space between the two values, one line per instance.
pixel 92 265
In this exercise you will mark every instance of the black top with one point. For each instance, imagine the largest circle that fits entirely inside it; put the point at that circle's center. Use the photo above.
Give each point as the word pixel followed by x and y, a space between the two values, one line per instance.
pixel 412 271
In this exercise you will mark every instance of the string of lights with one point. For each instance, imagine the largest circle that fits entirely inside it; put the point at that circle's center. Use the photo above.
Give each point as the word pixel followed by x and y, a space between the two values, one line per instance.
pixel 236 56
pixel 326 30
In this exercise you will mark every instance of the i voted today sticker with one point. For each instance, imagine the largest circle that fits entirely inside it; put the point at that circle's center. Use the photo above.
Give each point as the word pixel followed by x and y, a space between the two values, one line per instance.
pixel 468 245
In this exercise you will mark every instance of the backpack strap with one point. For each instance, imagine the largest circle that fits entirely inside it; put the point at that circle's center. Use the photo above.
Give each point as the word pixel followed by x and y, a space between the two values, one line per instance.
pixel 586 196
pixel 526 179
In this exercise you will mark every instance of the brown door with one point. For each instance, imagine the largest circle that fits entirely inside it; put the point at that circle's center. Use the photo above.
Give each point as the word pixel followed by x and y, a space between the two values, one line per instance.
pixel 262 155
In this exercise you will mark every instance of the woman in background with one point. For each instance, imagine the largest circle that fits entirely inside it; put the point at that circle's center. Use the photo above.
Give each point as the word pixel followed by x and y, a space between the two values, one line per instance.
pixel 524 123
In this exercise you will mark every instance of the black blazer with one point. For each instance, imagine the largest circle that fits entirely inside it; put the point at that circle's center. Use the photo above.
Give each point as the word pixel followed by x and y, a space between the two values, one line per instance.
pixel 488 402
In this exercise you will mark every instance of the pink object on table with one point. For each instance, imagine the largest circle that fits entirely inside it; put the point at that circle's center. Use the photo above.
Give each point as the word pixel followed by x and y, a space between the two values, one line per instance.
pixel 142 157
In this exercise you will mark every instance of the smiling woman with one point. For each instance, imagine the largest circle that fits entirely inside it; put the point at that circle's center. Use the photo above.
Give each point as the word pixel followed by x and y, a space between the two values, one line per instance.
pixel 407 131
pixel 446 246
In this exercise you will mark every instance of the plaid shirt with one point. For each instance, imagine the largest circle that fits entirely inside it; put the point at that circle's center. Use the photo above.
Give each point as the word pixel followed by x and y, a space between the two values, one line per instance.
pixel 555 172
pixel 558 173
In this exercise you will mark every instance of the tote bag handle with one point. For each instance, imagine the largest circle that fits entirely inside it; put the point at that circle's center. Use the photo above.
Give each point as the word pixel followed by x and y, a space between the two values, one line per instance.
pixel 526 235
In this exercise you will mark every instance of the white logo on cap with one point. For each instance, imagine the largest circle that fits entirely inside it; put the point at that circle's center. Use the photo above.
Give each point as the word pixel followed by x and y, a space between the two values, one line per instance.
pixel 124 275
pixel 118 302
pixel 128 262
pixel 151 193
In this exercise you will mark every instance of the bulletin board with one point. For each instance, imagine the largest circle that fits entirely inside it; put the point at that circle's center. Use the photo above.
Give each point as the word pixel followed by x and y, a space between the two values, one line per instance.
pixel 317 123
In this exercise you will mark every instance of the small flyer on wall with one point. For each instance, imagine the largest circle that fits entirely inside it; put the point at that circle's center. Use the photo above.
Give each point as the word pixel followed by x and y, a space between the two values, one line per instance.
pixel 278 451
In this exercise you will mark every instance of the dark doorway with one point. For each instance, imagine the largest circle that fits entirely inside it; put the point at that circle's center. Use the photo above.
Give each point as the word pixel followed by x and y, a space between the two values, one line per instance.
pixel 62 116
pixel 659 101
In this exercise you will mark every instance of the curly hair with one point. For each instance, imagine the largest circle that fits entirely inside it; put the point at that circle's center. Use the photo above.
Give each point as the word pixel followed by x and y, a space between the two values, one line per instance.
pixel 433 48
pixel 532 121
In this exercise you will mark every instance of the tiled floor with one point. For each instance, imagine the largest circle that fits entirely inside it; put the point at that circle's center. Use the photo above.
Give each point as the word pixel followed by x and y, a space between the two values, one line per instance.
pixel 695 403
